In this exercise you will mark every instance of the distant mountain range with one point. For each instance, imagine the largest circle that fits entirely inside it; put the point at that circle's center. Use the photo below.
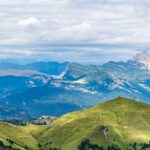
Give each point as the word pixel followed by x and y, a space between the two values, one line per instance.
pixel 43 67
pixel 119 124
pixel 52 88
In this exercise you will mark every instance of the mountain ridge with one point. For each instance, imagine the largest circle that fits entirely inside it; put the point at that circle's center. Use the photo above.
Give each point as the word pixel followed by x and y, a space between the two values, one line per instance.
pixel 71 86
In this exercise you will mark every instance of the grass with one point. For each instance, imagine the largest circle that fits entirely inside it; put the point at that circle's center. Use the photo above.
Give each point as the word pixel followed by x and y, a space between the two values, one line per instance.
pixel 128 121
pixel 19 135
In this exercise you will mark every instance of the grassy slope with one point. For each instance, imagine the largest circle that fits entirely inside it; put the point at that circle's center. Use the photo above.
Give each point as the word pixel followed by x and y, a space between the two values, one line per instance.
pixel 20 135
pixel 128 121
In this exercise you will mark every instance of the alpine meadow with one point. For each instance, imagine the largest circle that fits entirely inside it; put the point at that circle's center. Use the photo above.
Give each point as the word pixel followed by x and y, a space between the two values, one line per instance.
pixel 74 75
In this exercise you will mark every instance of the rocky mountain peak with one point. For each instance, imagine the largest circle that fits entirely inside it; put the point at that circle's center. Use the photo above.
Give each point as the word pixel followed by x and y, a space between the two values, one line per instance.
pixel 143 58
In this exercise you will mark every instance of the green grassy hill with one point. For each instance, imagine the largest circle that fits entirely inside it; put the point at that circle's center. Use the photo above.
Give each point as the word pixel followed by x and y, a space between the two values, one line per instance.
pixel 121 122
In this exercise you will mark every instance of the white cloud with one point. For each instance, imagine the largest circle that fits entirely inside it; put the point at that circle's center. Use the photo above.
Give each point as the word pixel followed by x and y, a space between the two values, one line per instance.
pixel 106 20
pixel 74 21
pixel 28 22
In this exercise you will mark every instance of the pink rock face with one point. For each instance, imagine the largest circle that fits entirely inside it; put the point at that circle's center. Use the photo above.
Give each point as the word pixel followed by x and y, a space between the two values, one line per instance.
pixel 143 58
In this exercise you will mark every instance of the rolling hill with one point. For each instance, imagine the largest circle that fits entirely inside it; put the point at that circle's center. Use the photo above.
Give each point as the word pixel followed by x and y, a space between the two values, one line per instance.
pixel 117 124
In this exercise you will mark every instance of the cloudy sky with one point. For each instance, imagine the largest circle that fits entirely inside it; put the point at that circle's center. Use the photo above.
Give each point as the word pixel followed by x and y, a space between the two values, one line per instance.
pixel 88 31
